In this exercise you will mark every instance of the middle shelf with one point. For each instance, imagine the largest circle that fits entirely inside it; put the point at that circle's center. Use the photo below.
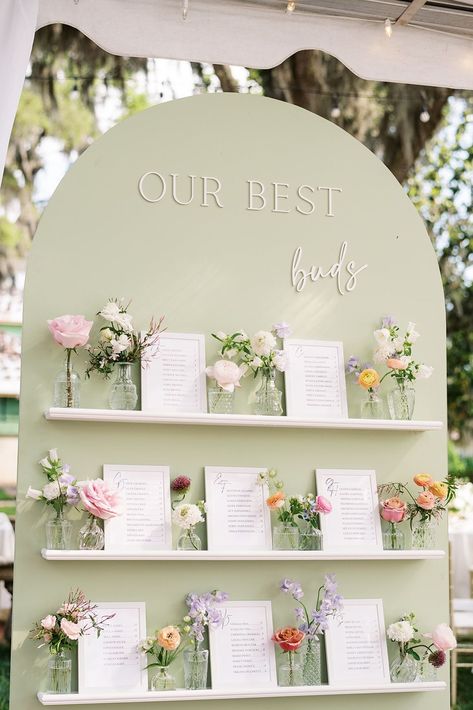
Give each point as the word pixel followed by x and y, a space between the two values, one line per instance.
pixel 210 556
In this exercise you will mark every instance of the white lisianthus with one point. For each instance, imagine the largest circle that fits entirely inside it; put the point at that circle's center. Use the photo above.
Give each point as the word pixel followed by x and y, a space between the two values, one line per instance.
pixel 110 311
pixel 52 490
pixel 382 353
pixel 401 631
pixel 256 362
pixel 412 334
pixel 279 361
pixel 263 342
pixel 120 344
pixel 34 493
pixel 424 372
pixel 186 515
pixel 106 334
pixel 382 336
pixel 241 337
pixel 231 353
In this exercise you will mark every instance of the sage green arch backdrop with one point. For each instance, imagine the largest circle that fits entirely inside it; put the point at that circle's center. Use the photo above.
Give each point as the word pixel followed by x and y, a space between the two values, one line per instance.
pixel 208 268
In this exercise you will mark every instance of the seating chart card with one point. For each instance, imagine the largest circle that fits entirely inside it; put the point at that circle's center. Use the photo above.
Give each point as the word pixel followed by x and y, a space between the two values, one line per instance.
pixel 237 517
pixel 356 648
pixel 241 651
pixel 354 523
pixel 315 379
pixel 146 521
pixel 174 381
pixel 112 662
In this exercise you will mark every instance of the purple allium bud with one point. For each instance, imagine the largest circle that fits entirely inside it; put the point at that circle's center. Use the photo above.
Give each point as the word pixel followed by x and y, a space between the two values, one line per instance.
pixel 437 659
pixel 180 484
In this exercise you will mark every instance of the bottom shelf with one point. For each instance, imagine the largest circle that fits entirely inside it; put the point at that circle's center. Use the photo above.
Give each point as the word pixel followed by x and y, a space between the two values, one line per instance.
pixel 210 694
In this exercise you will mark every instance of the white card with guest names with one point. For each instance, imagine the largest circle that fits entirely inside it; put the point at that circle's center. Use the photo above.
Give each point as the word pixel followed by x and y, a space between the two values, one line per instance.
pixel 241 651
pixel 112 662
pixel 356 647
pixel 237 515
pixel 146 520
pixel 354 523
pixel 315 379
pixel 174 381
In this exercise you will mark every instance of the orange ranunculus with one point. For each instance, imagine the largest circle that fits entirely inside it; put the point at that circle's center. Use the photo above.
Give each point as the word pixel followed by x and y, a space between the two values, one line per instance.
pixel 289 638
pixel 276 500
pixel 426 500
pixel 423 479
pixel 169 638
pixel 439 489
pixel 368 379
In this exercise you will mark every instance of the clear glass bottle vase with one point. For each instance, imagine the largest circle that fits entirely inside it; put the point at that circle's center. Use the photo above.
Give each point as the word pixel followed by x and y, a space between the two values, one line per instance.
pixel 59 673
pixel 91 535
pixel 163 679
pixel 285 537
pixel 393 538
pixel 58 533
pixel 373 407
pixel 196 663
pixel 220 401
pixel 268 396
pixel 404 668
pixel 423 534
pixel 290 671
pixel 311 661
pixel 189 540
pixel 310 538
pixel 401 400
pixel 123 394
pixel 67 385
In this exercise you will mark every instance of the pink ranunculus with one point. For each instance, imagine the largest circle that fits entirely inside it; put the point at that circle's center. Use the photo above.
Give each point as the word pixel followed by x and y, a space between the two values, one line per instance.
pixel 323 505
pixel 426 500
pixel 226 374
pixel 393 510
pixel 395 364
pixel 100 499
pixel 443 637
pixel 49 622
pixel 70 331
pixel 71 629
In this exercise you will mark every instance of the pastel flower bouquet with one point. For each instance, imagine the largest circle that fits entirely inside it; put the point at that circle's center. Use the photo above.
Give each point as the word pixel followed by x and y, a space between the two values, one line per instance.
pixel 203 611
pixel 70 332
pixel 187 516
pixel 163 648
pixel 102 501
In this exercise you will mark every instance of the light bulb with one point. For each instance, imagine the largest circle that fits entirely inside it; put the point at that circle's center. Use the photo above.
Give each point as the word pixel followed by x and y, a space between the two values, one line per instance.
pixel 424 116
pixel 291 6
pixel 335 112
pixel 388 27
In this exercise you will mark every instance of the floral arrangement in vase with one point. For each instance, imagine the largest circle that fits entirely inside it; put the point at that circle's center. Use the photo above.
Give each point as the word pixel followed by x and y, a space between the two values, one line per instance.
pixel 408 664
pixel 180 486
pixel 286 531
pixel 60 632
pixel 70 332
pixel 101 501
pixel 203 611
pixel 311 508
pixel 261 355
pixel 290 640
pixel 328 604
pixel 119 347
pixel 394 511
pixel 226 375
pixel 60 492
pixel 164 647
pixel 369 380
pixel 186 516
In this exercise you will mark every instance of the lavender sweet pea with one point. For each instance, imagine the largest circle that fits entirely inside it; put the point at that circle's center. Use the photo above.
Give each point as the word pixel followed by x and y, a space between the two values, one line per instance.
pixel 329 604
pixel 203 612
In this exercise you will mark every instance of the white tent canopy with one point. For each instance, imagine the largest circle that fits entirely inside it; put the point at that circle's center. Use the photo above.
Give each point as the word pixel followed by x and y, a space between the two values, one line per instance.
pixel 431 42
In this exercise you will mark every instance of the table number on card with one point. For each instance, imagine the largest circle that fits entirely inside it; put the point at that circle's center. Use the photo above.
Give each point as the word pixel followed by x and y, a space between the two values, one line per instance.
pixel 315 379
pixel 146 520
pixel 238 517
pixel 241 650
pixel 354 523
pixel 112 662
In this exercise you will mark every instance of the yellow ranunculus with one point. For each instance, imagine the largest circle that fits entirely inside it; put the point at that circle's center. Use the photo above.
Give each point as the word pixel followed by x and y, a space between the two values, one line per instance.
pixel 439 489
pixel 368 379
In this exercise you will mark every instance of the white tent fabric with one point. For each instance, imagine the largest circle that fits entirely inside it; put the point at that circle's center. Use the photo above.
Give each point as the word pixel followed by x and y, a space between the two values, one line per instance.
pixel 18 20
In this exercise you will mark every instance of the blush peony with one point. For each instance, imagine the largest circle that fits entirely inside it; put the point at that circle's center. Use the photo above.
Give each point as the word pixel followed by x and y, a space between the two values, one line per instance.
pixel 70 331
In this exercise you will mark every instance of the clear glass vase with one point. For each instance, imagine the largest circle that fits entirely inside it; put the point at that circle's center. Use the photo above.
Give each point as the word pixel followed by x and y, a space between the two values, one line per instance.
pixel 310 538
pixel 123 394
pixel 393 538
pixel 220 401
pixel 373 407
pixel 67 385
pixel 426 672
pixel 423 535
pixel 268 397
pixel 285 537
pixel 401 400
pixel 189 540
pixel 58 533
pixel 195 669
pixel 290 670
pixel 404 669
pixel 311 662
pixel 163 679
pixel 59 673
pixel 91 535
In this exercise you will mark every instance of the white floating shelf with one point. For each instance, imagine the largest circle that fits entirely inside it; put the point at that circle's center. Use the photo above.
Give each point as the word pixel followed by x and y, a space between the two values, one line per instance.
pixel 179 695
pixel 235 420
pixel 209 556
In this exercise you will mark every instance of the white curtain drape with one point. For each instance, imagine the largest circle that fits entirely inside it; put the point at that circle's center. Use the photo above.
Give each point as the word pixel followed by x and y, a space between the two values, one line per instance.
pixel 17 27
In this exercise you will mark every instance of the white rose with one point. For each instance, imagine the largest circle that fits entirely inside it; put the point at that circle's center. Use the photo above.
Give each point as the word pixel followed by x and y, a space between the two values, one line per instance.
pixel 263 342
pixel 401 631
pixel 382 336
pixel 52 490
pixel 110 311
pixel 424 372
pixel 279 361
pixel 34 493
pixel 187 515
pixel 120 344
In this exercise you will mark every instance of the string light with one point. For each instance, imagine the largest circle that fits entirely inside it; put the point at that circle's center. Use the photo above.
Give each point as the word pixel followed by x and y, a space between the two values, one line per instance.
pixel 388 27
pixel 291 6
pixel 185 9
pixel 75 90
pixel 424 115
pixel 335 111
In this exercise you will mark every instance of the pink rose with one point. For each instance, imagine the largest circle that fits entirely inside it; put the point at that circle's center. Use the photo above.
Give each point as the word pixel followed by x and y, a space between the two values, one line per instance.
pixel 70 331
pixel 395 364
pixel 443 637
pixel 426 500
pixel 226 374
pixel 70 629
pixel 49 622
pixel 101 500
pixel 323 505
pixel 393 510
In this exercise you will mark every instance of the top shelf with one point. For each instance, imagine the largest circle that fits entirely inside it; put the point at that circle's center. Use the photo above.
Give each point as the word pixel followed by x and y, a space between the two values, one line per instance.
pixel 234 420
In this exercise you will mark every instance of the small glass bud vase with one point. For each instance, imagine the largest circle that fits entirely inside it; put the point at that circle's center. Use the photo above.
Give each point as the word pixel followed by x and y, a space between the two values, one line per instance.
pixel 91 535
pixel 58 533
pixel 423 535
pixel 163 680
pixel 189 540
pixel 268 397
pixel 290 671
pixel 310 538
pixel 311 663
pixel 195 668
pixel 123 394
pixel 59 673
pixel 285 537
pixel 373 407
pixel 393 538
pixel 401 401
pixel 220 401
pixel 67 386
pixel 426 672
pixel 404 669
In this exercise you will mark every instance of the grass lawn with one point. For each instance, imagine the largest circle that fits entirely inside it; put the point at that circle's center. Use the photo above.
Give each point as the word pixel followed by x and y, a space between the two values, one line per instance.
pixel 465 690
pixel 5 677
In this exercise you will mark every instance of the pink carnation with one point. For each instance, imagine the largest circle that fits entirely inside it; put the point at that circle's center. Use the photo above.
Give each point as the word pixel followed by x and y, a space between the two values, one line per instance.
pixel 101 500
pixel 70 331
